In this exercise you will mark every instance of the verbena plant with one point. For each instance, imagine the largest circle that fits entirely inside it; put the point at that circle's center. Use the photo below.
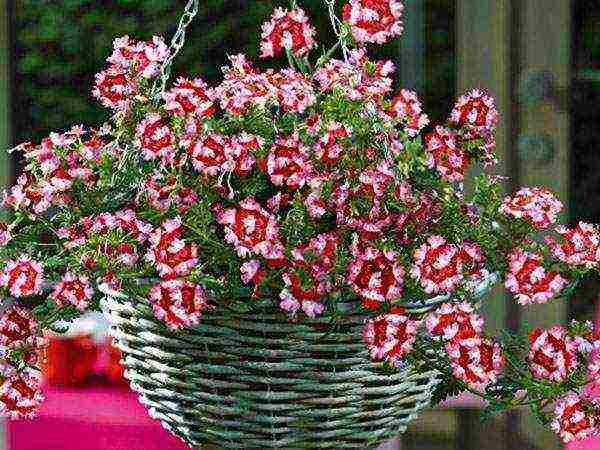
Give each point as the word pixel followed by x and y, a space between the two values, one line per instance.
pixel 294 190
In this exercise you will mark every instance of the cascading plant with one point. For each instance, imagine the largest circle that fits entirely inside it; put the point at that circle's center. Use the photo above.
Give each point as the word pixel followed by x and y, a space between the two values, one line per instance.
pixel 286 190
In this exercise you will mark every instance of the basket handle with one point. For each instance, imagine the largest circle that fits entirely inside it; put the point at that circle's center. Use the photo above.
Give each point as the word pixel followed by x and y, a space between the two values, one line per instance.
pixel 191 9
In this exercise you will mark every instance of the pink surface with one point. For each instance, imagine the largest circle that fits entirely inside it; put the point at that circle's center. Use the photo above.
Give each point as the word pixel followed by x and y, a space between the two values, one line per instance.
pixel 98 418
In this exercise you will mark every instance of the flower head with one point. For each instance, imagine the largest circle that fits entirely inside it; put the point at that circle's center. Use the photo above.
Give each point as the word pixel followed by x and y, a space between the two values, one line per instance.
pixel 478 362
pixel 74 290
pixel 390 337
pixel 287 30
pixel 572 420
pixel 23 277
pixel 455 322
pixel 536 205
pixel 171 255
pixel 374 21
pixel 553 354
pixel 20 394
pixel 178 303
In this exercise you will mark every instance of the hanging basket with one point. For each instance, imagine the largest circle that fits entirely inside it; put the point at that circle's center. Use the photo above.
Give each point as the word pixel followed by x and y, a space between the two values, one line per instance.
pixel 261 381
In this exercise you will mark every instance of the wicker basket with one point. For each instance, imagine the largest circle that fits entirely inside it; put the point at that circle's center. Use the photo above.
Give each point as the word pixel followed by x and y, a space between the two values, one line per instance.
pixel 260 381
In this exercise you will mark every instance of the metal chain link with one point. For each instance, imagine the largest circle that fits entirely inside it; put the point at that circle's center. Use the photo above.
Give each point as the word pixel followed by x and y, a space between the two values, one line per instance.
pixel 337 27
pixel 191 9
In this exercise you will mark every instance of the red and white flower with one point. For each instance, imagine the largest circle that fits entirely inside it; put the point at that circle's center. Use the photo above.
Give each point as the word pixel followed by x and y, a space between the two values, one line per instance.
pixel 139 58
pixel 288 162
pixel 170 254
pixel 374 21
pixel 390 337
pixel 293 90
pixel 19 330
pixel 113 89
pixel 553 353
pixel 295 296
pixel 21 394
pixel 529 280
pixel 357 79
pixel 455 322
pixel 537 205
pixel 209 154
pixel 251 229
pixel 242 150
pixel 73 290
pixel 287 30
pixel 441 267
pixel 407 108
pixel 155 138
pixel 164 193
pixel 318 256
pixel 329 149
pixel 243 86
pixel 579 246
pixel 178 303
pixel 478 362
pixel 445 155
pixel 572 420
pixel 190 97
pixel 376 276
pixel 23 277
pixel 475 110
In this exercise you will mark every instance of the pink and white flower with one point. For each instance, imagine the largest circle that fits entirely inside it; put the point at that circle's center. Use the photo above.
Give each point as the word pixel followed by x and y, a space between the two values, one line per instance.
pixel 330 148
pixel 139 58
pixel 455 322
pixel 445 155
pixel 537 205
pixel 475 110
pixel 407 108
pixel 113 89
pixel 297 296
pixel 288 162
pixel 294 91
pixel 155 139
pixel 578 246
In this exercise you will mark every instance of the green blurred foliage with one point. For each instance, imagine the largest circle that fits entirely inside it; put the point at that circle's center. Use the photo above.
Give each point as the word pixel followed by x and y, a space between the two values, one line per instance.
pixel 60 45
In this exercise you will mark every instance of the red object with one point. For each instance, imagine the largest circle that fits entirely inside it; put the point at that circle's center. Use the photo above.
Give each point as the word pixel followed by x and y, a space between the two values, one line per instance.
pixel 91 419
pixel 69 361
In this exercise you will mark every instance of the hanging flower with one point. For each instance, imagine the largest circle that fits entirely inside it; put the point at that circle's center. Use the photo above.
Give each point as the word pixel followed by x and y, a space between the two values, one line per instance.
pixel 475 110
pixel 390 337
pixel 293 90
pixel 5 234
pixel 139 58
pixel 178 303
pixel 155 139
pixel 296 295
pixel 407 109
pixel 73 290
pixel 190 97
pixel 243 86
pixel 376 276
pixel 20 394
pixel 572 419
pixel 319 257
pixel 529 280
pixel 579 246
pixel 374 21
pixel 251 272
pixel 251 229
pixel 23 277
pixel 170 254
pixel 445 154
pixel 440 267
pixel 478 362
pixel 536 205
pixel 553 354
pixel 455 322
pixel 288 162
pixel 113 89
pixel 288 30
pixel 329 149
pixel 19 330
pixel 208 154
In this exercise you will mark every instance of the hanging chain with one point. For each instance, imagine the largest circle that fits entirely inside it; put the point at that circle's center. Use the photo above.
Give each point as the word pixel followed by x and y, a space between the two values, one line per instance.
pixel 337 27
pixel 191 9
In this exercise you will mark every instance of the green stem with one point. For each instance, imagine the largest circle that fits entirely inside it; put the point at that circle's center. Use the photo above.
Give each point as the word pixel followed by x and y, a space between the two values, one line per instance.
pixel 323 59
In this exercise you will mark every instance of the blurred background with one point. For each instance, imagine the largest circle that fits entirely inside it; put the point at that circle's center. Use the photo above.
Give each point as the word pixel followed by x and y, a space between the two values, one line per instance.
pixel 539 58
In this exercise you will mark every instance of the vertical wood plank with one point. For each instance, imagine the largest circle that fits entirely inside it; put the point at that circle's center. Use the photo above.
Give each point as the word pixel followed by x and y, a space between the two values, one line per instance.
pixel 412 46
pixel 483 61
pixel 545 50
pixel 5 133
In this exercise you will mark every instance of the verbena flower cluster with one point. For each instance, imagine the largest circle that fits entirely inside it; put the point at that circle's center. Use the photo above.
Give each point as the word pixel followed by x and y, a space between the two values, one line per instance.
pixel 295 190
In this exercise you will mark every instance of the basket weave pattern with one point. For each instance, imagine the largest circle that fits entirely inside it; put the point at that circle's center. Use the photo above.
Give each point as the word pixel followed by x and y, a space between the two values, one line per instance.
pixel 260 381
